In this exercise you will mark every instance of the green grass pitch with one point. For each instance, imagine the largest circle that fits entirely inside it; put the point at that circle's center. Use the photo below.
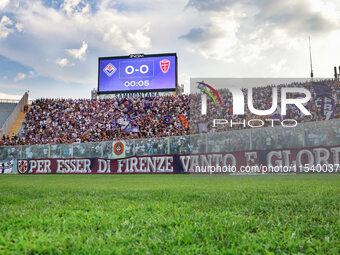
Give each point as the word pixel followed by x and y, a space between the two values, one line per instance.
pixel 169 214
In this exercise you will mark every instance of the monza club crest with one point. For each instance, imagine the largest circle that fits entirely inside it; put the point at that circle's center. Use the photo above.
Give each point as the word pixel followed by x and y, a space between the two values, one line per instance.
pixel 165 65
pixel 22 166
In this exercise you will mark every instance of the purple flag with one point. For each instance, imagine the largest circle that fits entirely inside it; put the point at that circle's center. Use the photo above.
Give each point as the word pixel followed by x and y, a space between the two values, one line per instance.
pixel 327 105
pixel 277 114
pixel 322 90
pixel 325 101
pixel 203 127
pixel 148 102
pixel 129 128
pixel 166 119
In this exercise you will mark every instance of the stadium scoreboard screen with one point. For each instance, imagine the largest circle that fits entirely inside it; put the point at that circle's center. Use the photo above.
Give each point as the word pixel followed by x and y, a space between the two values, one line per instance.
pixel 136 73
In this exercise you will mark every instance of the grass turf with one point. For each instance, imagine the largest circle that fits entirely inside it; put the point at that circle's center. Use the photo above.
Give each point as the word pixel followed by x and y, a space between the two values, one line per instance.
pixel 176 214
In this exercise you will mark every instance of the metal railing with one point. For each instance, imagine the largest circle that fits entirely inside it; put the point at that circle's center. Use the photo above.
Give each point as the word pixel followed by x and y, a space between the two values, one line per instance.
pixel 309 134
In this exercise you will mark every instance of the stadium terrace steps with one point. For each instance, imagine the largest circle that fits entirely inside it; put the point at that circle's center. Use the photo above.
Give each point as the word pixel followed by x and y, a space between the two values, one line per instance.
pixel 5 111
pixel 18 123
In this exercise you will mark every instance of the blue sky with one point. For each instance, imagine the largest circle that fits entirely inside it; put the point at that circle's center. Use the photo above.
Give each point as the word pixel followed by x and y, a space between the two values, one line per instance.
pixel 52 47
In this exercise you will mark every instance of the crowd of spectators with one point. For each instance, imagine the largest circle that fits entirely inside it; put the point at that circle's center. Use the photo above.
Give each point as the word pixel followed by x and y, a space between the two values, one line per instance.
pixel 262 100
pixel 60 121
pixel 85 120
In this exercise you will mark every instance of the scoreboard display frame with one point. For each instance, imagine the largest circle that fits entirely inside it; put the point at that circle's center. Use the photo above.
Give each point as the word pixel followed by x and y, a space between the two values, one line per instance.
pixel 137 57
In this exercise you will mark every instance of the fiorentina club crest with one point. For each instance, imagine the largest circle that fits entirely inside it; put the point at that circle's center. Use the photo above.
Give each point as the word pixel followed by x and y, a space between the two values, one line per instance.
pixel 110 69
pixel 165 64
pixel 118 148
pixel 22 166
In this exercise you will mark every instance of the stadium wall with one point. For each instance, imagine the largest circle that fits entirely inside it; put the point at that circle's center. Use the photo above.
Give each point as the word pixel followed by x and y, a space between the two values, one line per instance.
pixel 14 115
pixel 323 159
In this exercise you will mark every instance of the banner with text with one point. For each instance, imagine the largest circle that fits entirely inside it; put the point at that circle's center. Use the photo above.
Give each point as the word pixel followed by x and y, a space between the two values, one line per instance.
pixel 313 159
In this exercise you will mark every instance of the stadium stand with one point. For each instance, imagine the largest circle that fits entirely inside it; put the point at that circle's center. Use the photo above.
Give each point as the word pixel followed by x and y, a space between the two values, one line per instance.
pixel 84 120
pixel 262 98
pixel 61 121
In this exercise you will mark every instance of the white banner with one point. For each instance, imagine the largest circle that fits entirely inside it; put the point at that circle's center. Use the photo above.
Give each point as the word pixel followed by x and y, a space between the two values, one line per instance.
pixel 7 167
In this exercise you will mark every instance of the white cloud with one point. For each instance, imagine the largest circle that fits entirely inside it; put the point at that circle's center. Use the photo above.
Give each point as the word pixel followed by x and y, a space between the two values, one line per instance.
pixel 31 74
pixel 3 4
pixel 74 7
pixel 247 31
pixel 139 39
pixel 303 16
pixel 128 41
pixel 19 77
pixel 218 39
pixel 7 26
pixel 19 27
pixel 70 5
pixel 62 62
pixel 49 30
pixel 240 38
pixel 80 53
pixel 5 77
pixel 5 29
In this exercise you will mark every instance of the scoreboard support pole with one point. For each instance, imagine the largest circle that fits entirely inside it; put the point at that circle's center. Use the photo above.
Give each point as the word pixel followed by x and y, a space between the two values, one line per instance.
pixel 204 104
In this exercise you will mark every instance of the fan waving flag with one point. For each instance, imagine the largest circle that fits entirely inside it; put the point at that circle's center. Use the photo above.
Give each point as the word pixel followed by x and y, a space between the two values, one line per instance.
pixel 322 90
pixel 126 103
pixel 325 101
pixel 153 102
pixel 148 102
pixel 131 129
pixel 203 127
pixel 166 119
pixel 184 121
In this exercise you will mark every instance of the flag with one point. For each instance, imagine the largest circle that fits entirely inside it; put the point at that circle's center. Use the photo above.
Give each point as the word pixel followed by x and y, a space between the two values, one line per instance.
pixel 135 129
pixel 203 127
pixel 184 121
pixel 325 101
pixel 153 102
pixel 114 126
pixel 6 167
pixel 148 102
pixel 137 117
pixel 322 90
pixel 276 115
pixel 296 110
pixel 166 120
pixel 129 128
pixel 327 105
pixel 123 122
pixel 124 102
